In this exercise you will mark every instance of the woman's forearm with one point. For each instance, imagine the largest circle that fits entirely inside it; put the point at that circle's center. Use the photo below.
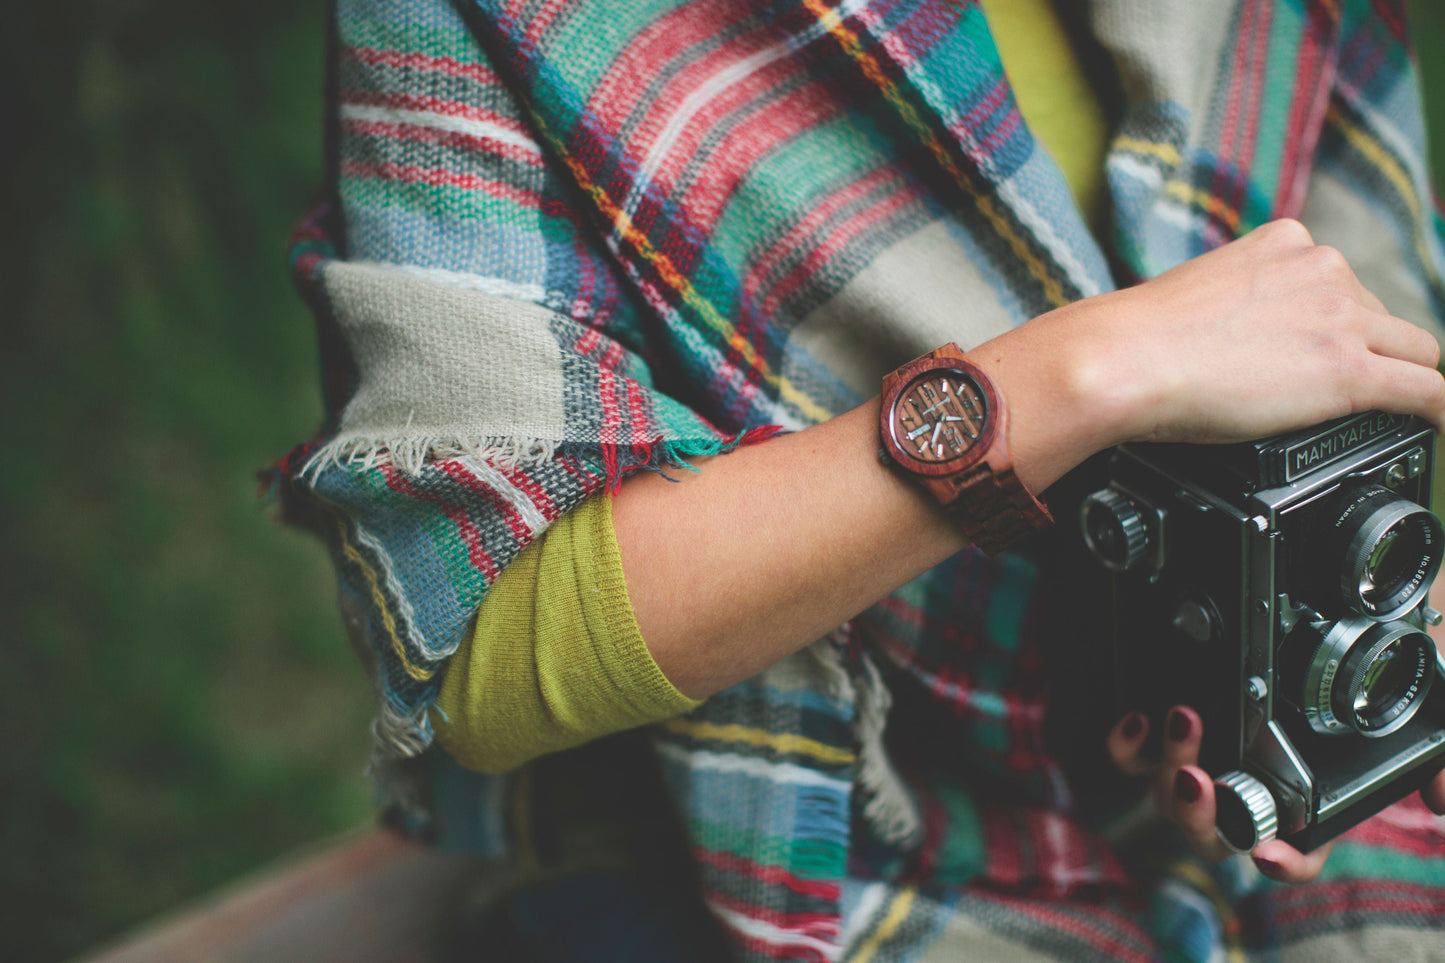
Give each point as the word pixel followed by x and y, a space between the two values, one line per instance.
pixel 776 544
pixel 769 547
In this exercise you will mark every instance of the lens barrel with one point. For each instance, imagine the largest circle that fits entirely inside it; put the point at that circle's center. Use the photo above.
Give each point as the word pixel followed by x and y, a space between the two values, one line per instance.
pixel 1362 676
pixel 1386 549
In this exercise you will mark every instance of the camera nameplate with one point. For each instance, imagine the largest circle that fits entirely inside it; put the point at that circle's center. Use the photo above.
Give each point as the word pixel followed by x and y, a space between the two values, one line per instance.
pixel 1297 458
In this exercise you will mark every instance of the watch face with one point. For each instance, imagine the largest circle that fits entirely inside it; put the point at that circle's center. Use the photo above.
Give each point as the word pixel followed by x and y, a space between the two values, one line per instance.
pixel 939 416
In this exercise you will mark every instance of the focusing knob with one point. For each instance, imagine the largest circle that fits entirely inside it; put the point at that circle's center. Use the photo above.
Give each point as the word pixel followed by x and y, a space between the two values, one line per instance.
pixel 1245 813
pixel 1114 529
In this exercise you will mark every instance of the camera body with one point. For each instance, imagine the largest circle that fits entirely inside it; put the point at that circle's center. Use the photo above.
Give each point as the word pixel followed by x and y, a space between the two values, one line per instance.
pixel 1280 587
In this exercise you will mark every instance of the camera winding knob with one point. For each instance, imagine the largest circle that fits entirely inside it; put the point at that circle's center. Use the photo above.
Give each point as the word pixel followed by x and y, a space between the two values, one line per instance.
pixel 1114 529
pixel 1245 813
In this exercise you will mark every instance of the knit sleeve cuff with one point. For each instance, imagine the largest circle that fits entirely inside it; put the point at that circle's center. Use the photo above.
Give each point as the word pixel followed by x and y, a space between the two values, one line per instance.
pixel 636 674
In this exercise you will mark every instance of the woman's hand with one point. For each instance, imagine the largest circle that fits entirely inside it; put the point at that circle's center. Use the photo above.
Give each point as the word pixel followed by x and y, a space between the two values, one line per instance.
pixel 1268 333
pixel 1184 794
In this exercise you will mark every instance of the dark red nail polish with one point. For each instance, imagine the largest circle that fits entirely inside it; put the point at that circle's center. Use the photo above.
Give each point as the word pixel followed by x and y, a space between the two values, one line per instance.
pixel 1133 726
pixel 1179 726
pixel 1186 787
pixel 1268 867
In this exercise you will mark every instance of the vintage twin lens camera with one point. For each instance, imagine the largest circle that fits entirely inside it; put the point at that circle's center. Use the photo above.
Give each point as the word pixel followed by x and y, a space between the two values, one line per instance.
pixel 1280 588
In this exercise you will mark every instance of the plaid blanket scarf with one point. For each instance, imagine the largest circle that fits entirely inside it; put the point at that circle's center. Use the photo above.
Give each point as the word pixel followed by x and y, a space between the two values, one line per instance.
pixel 574 240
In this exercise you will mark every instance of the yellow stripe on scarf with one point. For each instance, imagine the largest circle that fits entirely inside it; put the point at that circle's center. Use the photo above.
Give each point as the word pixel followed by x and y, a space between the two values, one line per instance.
pixel 1167 153
pixel 1370 146
pixel 377 598
pixel 780 741
pixel 1204 201
pixel 897 913
pixel 871 69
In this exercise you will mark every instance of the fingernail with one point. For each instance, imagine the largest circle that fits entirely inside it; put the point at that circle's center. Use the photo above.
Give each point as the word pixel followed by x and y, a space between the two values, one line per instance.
pixel 1179 726
pixel 1186 787
pixel 1268 867
pixel 1133 726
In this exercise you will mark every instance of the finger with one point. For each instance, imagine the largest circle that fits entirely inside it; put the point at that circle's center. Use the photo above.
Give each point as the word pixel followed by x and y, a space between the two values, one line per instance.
pixel 1126 742
pixel 1434 794
pixel 1395 337
pixel 1399 386
pixel 1193 809
pixel 1283 863
pixel 1182 732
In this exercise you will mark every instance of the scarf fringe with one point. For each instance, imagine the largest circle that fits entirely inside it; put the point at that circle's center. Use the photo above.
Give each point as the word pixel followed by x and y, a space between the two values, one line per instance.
pixel 409 453
pixel 399 737
pixel 890 810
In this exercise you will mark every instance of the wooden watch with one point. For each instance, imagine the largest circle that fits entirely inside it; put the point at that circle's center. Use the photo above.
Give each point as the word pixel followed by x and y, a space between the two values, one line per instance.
pixel 944 424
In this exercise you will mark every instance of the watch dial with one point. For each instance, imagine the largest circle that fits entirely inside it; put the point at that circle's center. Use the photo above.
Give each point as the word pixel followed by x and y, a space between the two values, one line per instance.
pixel 939 416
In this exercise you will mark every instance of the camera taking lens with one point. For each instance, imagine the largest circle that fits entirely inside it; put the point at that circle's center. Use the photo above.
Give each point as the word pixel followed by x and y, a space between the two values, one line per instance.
pixel 1387 550
pixel 1362 676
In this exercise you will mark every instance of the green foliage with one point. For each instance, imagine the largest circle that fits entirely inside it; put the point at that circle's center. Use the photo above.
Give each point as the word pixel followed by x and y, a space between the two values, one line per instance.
pixel 179 703
pixel 1427 27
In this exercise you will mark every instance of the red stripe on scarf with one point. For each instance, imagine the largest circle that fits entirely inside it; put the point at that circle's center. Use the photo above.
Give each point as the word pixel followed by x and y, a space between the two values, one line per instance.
pixel 827 247
pixel 788 244
pixel 676 43
pixel 1135 950
pixel 1373 896
pixel 819 926
pixel 449 66
pixel 427 104
pixel 415 134
pixel 540 498
pixel 1258 58
pixel 976 120
pixel 773 875
pixel 1307 113
pixel 796 112
pixel 441 177
pixel 517 527
pixel 480 559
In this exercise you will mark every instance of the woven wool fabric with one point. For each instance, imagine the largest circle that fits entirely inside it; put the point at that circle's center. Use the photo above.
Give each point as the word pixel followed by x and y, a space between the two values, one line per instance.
pixel 572 241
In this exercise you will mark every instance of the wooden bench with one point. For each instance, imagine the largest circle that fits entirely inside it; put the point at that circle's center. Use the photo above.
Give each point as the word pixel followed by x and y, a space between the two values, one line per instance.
pixel 363 898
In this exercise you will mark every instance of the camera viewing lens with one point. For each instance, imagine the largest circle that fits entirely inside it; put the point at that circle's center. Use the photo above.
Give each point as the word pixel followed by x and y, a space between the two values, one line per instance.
pixel 1388 550
pixel 1366 677
pixel 1394 560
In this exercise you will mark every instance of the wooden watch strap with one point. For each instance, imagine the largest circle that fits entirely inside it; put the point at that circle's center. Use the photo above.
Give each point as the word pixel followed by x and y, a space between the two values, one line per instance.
pixel 994 509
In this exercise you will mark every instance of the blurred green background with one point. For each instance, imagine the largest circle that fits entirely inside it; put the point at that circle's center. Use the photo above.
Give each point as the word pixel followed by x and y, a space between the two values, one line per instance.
pixel 177 703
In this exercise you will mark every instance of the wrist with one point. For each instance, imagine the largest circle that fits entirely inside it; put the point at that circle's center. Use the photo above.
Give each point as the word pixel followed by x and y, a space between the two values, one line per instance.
pixel 1122 384
pixel 1069 388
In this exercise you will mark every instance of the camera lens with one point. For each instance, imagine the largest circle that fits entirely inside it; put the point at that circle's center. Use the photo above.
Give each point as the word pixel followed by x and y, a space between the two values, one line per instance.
pixel 1387 549
pixel 1365 677
pixel 1388 680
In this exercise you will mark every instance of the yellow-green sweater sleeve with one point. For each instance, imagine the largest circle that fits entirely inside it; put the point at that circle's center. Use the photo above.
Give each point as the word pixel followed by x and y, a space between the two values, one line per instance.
pixel 556 658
